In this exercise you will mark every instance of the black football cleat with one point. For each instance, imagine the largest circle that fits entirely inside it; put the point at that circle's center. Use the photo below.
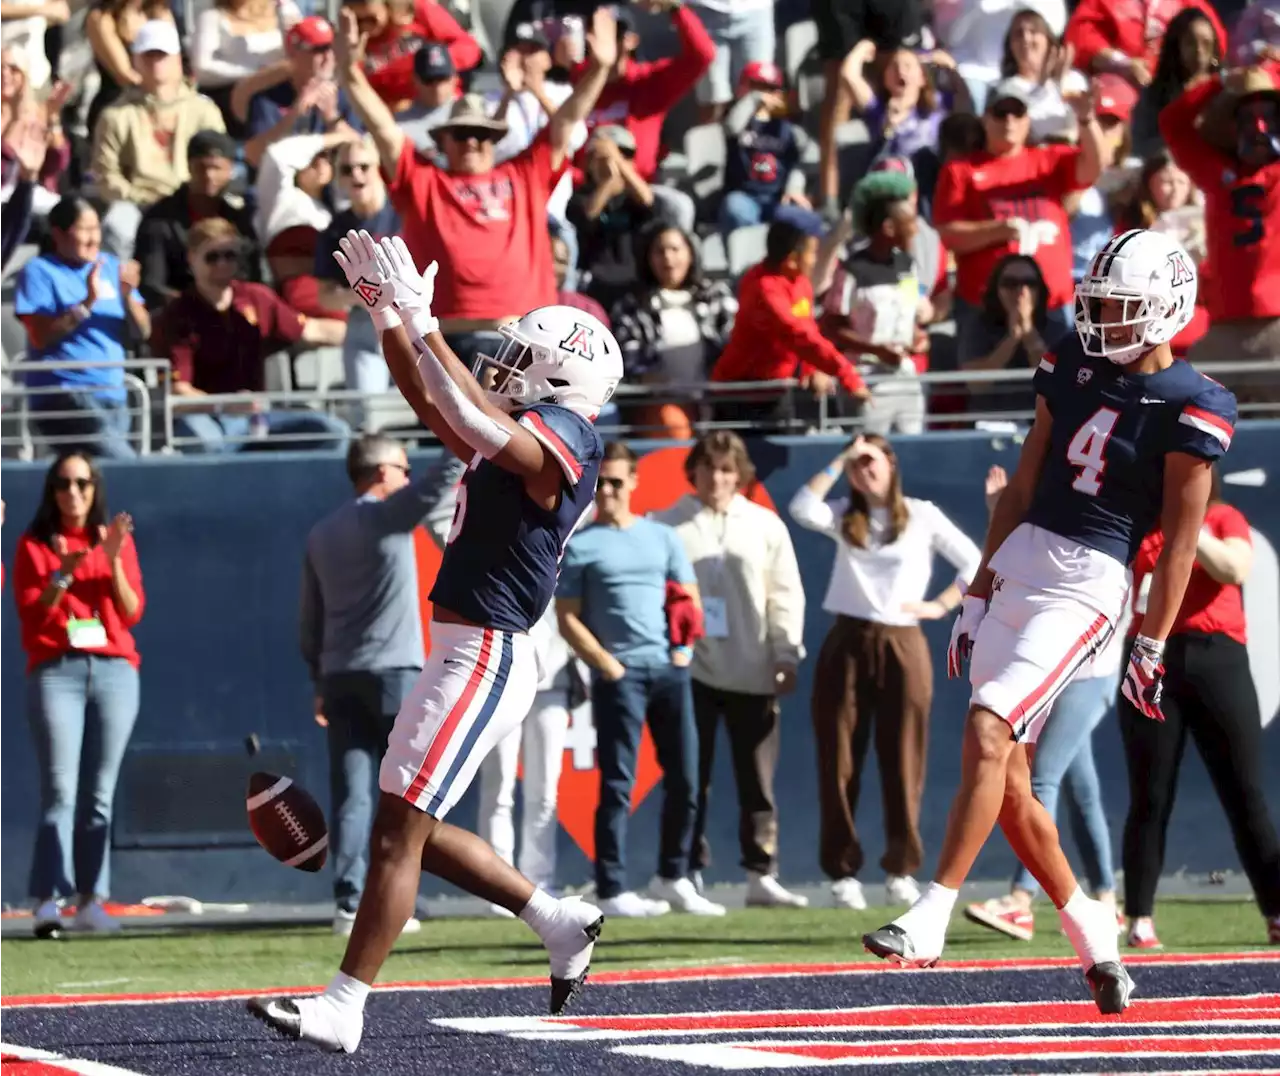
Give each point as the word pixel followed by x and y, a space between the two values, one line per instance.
pixel 314 1020
pixel 570 949
pixel 894 944
pixel 1112 988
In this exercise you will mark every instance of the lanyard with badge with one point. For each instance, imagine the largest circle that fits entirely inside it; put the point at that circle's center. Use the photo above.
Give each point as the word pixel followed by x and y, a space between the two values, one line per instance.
pixel 83 633
pixel 715 613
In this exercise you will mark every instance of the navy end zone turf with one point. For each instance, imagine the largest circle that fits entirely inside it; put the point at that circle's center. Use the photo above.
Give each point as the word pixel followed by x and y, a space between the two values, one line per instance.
pixel 1192 1013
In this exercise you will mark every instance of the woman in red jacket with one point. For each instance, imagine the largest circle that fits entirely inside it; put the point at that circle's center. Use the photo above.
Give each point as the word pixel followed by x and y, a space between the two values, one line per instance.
pixel 79 594
pixel 1208 694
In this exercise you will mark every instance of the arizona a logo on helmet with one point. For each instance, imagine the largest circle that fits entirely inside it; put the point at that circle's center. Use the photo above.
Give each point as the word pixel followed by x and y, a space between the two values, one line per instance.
pixel 579 341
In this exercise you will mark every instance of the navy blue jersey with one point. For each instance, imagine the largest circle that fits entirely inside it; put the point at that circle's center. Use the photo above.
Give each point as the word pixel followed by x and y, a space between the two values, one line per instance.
pixel 503 553
pixel 1103 480
pixel 759 159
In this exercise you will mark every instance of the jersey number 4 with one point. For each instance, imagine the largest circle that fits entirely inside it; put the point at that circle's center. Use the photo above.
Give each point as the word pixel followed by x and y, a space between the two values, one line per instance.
pixel 1087 449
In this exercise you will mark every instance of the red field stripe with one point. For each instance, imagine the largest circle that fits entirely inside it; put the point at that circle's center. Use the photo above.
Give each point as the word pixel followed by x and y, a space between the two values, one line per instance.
pixel 1002 1014
pixel 646 975
pixel 930 1050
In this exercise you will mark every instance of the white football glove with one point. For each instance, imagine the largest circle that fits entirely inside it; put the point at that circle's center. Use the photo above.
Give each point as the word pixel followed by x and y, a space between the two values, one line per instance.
pixel 963 632
pixel 369 277
pixel 413 290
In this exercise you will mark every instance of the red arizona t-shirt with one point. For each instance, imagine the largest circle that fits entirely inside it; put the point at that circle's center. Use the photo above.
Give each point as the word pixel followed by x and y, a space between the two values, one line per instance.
pixel 1208 606
pixel 489 231
pixel 1029 185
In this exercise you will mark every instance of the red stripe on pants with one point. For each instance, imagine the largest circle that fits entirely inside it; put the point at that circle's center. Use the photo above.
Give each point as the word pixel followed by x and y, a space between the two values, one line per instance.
pixel 441 739
pixel 1032 701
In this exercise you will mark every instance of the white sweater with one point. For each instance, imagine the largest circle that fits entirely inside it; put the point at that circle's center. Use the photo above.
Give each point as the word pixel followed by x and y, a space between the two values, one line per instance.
pixel 745 559
pixel 875 583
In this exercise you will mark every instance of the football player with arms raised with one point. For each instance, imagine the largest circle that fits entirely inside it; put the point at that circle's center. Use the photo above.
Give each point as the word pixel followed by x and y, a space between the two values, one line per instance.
pixel 523 421
pixel 1124 436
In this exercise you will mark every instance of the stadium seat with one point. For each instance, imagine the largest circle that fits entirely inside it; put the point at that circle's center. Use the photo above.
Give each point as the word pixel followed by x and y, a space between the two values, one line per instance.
pixel 704 151
pixel 799 39
pixel 715 262
pixel 746 248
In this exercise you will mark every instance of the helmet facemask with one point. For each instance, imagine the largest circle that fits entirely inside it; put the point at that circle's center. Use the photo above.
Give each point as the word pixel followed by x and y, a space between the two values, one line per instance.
pixel 501 375
pixel 1120 340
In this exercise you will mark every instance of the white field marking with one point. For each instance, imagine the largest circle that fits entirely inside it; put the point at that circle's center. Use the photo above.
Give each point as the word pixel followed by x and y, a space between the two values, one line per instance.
pixel 702 973
pixel 79 1068
pixel 95 982
pixel 747 1055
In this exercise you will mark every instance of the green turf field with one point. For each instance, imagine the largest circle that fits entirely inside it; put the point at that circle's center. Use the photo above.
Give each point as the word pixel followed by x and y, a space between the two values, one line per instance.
pixel 147 960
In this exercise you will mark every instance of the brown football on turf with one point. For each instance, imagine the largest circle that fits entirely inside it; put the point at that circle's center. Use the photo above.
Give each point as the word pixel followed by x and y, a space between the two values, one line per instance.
pixel 287 822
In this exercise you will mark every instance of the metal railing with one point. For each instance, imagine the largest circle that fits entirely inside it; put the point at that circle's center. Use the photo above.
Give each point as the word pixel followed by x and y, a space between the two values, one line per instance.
pixel 798 410
pixel 24 415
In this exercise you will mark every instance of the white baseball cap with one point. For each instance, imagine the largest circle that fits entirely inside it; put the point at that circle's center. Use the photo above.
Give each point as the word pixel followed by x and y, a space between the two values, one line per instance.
pixel 157 35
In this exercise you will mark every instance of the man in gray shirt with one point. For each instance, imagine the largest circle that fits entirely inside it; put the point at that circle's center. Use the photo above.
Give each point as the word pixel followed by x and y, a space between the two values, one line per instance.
pixel 361 637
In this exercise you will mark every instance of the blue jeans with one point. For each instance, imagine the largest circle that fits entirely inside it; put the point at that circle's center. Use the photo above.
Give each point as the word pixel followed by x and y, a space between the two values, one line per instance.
pixel 81 709
pixel 1064 757
pixel 103 430
pixel 363 367
pixel 234 433
pixel 663 696
pixel 361 707
pixel 739 210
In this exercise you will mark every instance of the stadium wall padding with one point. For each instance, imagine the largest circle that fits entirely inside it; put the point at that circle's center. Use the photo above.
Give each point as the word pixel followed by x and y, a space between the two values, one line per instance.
pixel 221 540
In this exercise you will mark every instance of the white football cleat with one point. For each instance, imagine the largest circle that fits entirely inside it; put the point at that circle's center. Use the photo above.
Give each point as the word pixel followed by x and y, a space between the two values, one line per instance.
pixel 570 940
pixel 318 1020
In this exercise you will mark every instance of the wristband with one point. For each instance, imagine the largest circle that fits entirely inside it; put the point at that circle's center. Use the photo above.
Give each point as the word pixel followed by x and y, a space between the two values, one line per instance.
pixel 62 580
pixel 1153 648
pixel 386 318
pixel 833 470
pixel 422 322
pixel 682 651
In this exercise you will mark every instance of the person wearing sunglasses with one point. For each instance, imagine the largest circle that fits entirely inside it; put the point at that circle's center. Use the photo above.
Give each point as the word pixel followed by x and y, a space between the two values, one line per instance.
pixel 1008 199
pixel 162 235
pixel 79 594
pixel 360 180
pixel 218 334
pixel 1012 331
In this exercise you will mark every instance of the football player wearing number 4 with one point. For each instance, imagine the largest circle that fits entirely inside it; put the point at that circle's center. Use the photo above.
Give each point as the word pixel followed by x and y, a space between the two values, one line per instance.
pixel 1124 436
pixel 524 424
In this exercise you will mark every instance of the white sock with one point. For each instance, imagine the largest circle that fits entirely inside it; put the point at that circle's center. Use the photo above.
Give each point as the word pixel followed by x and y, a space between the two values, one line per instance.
pixel 933 908
pixel 346 992
pixel 540 910
pixel 1091 929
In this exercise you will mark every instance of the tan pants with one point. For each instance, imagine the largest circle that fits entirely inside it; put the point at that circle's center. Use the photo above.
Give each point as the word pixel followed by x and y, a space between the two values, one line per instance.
pixel 871 678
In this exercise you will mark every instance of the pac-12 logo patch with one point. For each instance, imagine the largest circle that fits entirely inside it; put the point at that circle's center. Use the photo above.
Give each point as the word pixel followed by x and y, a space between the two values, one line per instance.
pixel 579 341
pixel 1083 375
pixel 367 290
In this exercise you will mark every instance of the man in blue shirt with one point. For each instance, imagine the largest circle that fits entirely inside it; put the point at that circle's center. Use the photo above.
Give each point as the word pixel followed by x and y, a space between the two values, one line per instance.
pixel 611 604
pixel 76 304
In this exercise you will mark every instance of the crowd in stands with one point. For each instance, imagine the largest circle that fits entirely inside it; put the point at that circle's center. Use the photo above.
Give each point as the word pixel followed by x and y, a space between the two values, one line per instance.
pixel 928 208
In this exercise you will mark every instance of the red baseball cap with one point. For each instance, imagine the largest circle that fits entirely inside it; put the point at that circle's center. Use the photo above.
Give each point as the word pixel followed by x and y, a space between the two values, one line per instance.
pixel 313 32
pixel 1116 97
pixel 761 73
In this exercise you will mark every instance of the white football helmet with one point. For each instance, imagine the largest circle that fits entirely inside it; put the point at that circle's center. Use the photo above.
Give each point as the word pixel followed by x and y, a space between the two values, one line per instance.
pixel 554 354
pixel 1153 279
